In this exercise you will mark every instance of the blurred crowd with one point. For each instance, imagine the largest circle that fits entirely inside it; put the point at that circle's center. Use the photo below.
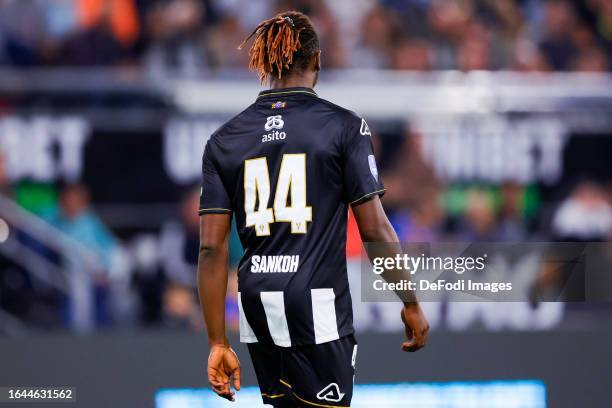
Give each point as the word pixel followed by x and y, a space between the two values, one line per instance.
pixel 424 207
pixel 195 36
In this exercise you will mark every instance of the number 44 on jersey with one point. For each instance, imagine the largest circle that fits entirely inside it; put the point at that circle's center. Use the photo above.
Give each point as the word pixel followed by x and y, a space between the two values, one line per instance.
pixel 290 187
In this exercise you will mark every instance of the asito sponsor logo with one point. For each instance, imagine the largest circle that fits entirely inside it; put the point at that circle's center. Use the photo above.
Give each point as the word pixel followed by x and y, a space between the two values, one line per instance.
pixel 273 122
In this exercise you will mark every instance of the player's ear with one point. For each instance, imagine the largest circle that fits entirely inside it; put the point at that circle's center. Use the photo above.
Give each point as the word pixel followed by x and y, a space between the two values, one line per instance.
pixel 317 61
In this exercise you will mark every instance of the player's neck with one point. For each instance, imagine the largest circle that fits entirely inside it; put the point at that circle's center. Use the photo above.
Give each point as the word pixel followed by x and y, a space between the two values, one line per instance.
pixel 293 81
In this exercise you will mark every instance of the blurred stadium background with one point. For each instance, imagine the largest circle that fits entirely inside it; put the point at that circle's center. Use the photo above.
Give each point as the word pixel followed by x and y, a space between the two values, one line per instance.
pixel 492 121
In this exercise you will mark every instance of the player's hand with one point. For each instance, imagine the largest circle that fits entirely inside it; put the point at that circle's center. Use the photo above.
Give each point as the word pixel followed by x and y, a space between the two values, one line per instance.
pixel 222 364
pixel 416 327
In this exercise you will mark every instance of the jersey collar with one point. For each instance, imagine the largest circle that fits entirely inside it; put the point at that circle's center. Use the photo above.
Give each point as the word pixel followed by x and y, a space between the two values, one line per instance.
pixel 286 92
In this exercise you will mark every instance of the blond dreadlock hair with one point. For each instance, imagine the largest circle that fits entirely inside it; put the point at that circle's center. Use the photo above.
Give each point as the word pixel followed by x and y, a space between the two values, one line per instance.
pixel 282 43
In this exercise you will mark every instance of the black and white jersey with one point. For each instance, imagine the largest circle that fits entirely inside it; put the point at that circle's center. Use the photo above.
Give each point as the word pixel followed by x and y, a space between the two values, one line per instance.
pixel 288 167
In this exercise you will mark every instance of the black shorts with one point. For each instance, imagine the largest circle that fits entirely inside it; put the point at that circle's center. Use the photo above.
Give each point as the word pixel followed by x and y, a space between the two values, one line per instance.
pixel 317 375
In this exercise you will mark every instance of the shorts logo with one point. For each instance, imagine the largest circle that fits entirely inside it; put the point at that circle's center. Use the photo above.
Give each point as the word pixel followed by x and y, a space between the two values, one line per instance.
pixel 373 168
pixel 330 393
pixel 364 130
pixel 274 122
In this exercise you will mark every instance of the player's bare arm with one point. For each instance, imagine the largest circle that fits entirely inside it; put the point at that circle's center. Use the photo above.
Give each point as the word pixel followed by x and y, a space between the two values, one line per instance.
pixel 223 363
pixel 374 226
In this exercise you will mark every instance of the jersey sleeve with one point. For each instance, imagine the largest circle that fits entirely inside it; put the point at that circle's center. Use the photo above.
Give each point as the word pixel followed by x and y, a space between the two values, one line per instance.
pixel 361 179
pixel 213 198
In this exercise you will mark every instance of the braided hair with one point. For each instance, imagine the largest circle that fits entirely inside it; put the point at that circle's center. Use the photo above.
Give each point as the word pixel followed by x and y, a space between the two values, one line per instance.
pixel 283 43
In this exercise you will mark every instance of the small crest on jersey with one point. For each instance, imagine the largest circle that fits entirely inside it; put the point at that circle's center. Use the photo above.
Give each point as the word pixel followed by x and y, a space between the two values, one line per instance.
pixel 364 130
pixel 279 105
pixel 373 168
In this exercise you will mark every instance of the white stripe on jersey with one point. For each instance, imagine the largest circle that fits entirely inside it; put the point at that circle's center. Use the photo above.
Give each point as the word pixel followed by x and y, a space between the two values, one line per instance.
pixel 274 307
pixel 324 315
pixel 247 335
